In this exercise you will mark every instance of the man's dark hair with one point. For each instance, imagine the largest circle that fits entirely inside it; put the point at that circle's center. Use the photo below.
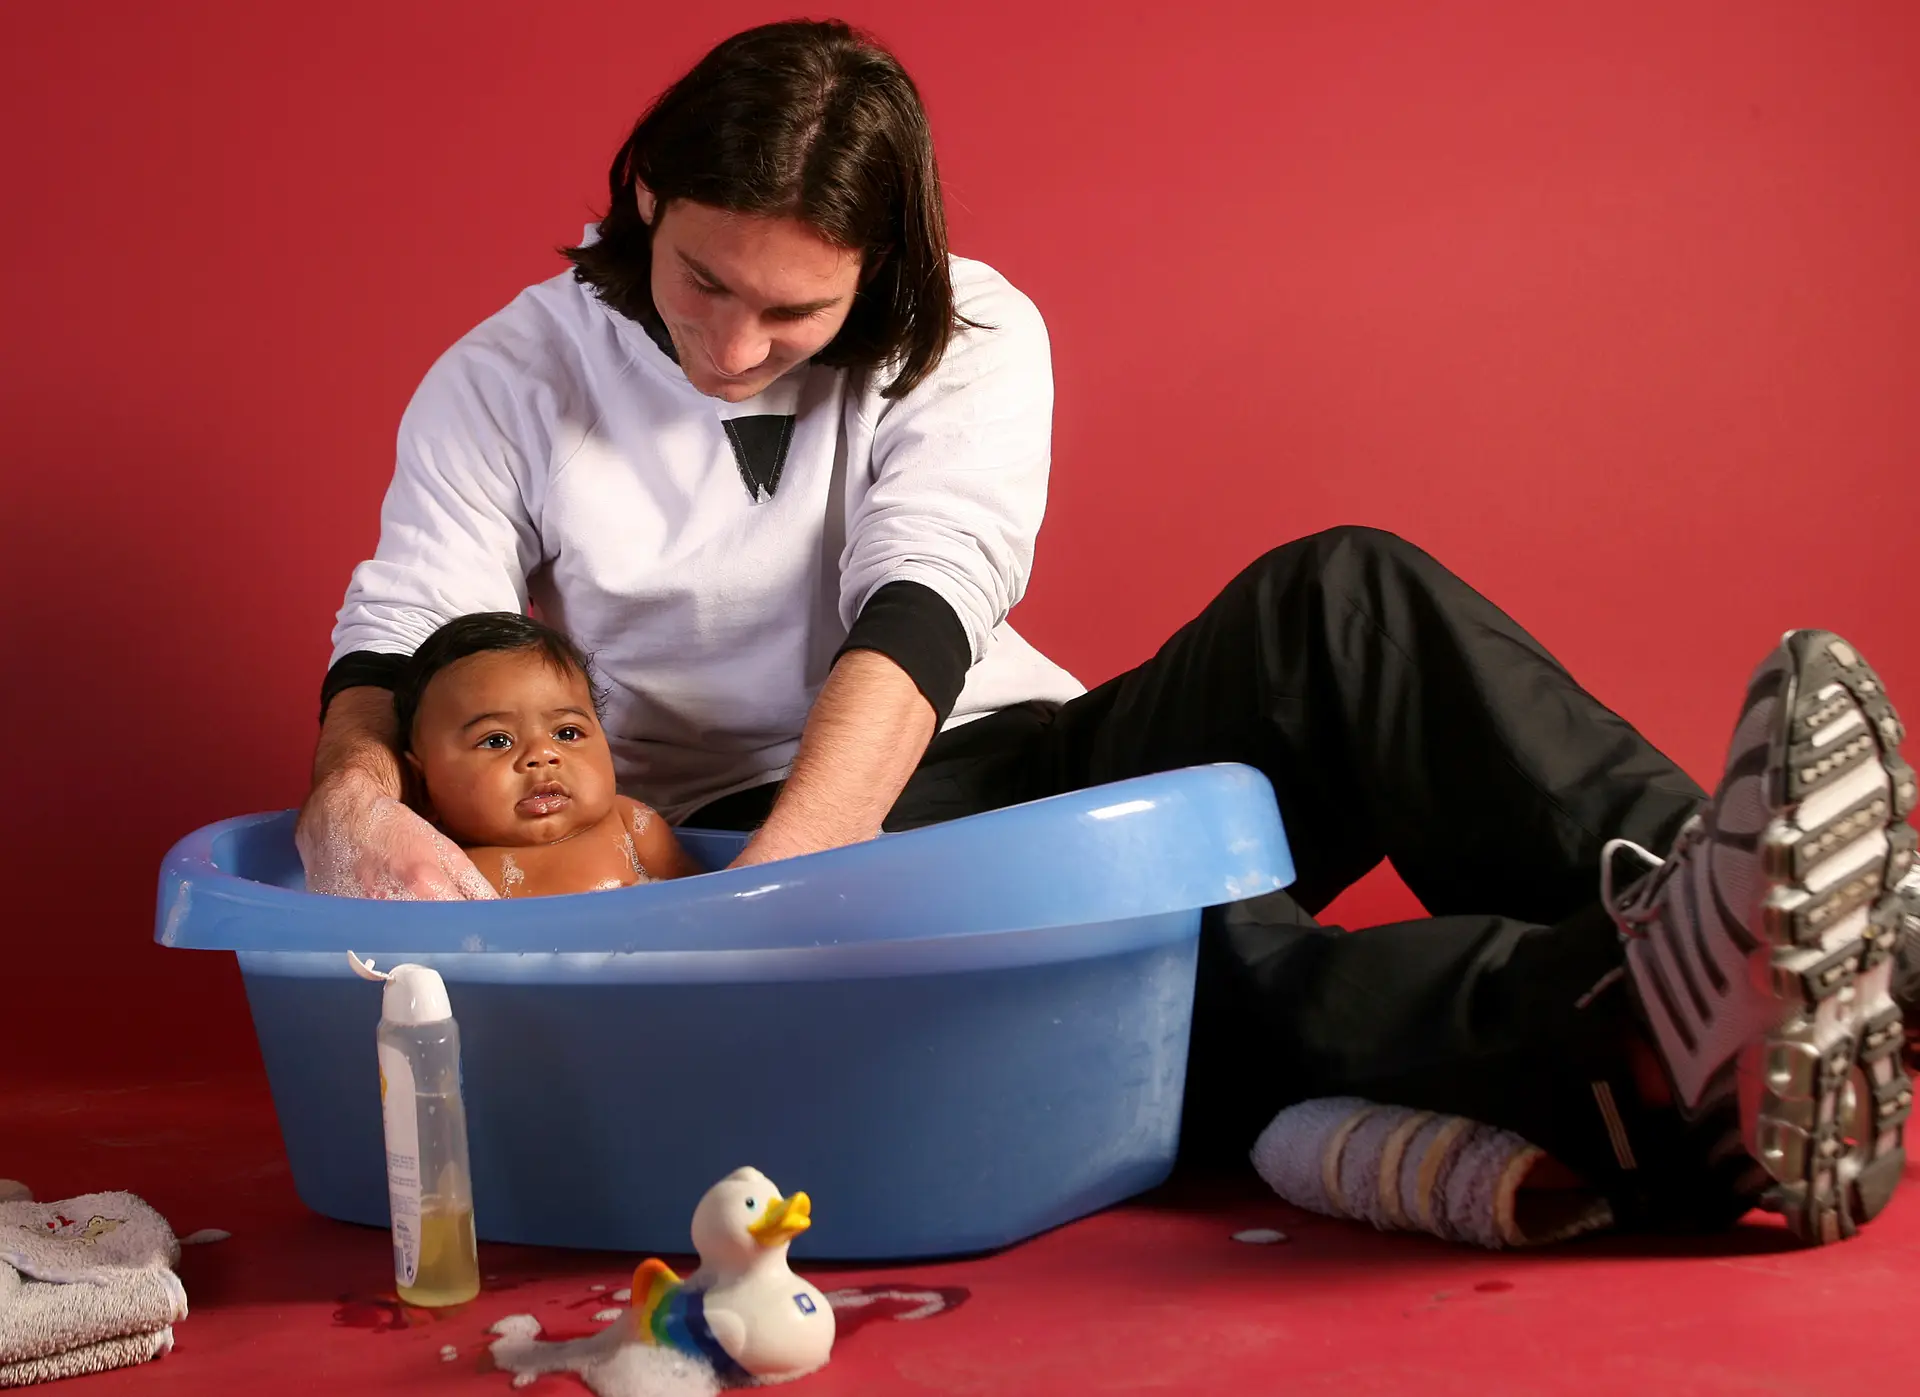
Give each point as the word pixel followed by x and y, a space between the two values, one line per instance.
pixel 804 119
pixel 475 634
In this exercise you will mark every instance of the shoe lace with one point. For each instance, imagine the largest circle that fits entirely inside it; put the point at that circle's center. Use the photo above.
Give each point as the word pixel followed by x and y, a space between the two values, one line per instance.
pixel 1632 910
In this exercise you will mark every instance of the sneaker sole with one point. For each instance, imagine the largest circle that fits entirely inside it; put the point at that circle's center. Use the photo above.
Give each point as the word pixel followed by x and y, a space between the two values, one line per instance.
pixel 1824 1097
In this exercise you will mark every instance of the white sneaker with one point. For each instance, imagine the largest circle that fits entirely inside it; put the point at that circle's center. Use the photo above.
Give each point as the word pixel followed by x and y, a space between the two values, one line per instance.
pixel 1760 950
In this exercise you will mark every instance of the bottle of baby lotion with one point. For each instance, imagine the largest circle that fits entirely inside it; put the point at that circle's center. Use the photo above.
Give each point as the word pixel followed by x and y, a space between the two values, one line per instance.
pixel 429 1192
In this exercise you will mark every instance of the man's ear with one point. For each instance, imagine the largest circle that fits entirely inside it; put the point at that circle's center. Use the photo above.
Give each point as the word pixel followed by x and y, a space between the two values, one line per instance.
pixel 644 201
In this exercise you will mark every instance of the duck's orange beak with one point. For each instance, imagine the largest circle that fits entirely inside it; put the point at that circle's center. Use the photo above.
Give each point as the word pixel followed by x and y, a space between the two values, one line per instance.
pixel 785 1219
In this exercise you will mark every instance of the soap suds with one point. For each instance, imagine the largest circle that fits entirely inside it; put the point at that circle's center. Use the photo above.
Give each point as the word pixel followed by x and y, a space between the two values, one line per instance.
pixel 640 874
pixel 609 1364
pixel 357 851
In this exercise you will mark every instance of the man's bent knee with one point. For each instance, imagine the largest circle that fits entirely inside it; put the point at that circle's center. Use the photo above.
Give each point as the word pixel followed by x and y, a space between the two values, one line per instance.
pixel 1341 546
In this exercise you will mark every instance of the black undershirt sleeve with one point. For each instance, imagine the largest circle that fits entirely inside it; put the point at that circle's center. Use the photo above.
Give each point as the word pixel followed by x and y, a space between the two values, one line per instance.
pixel 360 669
pixel 912 625
pixel 909 623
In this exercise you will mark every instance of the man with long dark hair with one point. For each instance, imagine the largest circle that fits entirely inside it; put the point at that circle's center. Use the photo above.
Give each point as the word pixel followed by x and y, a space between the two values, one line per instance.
pixel 777 459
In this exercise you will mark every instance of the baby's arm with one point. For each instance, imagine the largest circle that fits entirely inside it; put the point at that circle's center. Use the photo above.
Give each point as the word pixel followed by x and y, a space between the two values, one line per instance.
pixel 660 854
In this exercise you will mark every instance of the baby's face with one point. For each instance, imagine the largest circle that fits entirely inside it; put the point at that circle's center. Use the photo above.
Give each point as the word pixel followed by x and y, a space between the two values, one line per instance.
pixel 510 751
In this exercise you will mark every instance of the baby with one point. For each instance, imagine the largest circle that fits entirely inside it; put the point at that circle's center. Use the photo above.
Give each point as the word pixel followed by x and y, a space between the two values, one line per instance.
pixel 500 727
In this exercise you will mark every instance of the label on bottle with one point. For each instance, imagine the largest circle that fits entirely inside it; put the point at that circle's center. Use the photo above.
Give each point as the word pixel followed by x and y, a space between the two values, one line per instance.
pixel 400 1113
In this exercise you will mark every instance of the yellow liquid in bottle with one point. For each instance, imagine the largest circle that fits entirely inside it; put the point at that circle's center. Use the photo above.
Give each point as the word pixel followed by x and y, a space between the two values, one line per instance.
pixel 449 1265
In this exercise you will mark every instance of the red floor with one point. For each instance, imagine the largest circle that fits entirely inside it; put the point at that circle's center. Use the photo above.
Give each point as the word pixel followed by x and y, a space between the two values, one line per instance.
pixel 1155 1297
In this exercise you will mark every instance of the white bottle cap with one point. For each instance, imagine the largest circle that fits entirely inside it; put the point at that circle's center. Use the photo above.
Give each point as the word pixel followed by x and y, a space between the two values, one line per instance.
pixel 415 994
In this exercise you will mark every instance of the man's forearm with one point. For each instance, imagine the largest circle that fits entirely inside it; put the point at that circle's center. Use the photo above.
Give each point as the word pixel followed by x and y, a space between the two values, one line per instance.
pixel 358 738
pixel 866 734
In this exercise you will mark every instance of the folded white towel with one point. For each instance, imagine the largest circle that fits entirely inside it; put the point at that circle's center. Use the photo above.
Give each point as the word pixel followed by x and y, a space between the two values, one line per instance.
pixel 1417 1171
pixel 89 1358
pixel 86 1284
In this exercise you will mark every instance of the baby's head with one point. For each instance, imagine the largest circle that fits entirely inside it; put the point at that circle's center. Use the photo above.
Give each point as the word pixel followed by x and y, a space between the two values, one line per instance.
pixel 498 719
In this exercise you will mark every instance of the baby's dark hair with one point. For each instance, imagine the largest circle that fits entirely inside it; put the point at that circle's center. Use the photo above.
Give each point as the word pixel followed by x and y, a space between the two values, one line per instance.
pixel 477 634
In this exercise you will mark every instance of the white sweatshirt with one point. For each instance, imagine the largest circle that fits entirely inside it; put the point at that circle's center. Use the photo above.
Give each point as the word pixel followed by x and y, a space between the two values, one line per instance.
pixel 556 455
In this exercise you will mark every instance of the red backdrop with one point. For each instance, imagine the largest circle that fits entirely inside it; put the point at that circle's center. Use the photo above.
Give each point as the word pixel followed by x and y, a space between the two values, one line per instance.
pixel 1616 308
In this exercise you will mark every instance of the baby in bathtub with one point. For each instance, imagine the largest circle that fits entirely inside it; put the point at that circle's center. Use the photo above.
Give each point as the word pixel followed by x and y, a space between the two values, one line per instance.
pixel 500 728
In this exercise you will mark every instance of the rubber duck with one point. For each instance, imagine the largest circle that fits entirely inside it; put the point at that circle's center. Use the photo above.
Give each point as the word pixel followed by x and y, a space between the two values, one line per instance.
pixel 743 1310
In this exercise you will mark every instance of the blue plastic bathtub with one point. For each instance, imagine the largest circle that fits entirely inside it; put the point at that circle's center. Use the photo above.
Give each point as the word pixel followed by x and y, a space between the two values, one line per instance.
pixel 952 1038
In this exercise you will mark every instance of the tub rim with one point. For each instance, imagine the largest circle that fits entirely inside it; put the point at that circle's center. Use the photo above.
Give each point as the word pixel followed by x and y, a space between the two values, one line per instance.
pixel 1121 853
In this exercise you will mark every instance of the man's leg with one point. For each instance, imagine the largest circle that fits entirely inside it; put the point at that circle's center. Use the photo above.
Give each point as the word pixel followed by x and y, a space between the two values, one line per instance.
pixel 1525 1027
pixel 1400 714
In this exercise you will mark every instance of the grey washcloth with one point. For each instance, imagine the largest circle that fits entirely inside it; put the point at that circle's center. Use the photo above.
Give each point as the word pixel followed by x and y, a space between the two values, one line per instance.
pixel 42 1318
pixel 85 1285
pixel 93 1237
pixel 1420 1172
pixel 88 1358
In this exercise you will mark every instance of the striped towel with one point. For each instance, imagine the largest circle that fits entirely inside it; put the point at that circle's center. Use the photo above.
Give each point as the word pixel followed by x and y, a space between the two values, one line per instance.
pixel 1416 1171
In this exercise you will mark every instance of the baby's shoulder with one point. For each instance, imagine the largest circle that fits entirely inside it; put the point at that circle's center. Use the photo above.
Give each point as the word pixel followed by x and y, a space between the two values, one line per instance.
pixel 633 816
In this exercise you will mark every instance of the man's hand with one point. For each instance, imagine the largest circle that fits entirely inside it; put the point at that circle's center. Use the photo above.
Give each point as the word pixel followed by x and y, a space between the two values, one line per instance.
pixel 358 841
pixel 866 734
pixel 356 836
